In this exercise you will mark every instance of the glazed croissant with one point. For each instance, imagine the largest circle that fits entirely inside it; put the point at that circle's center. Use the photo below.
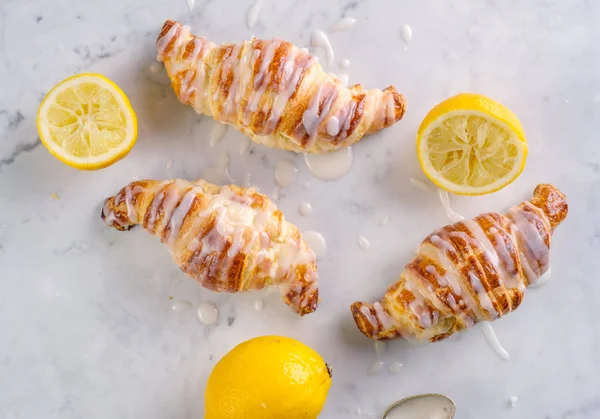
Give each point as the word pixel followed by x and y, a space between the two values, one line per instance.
pixel 227 238
pixel 472 271
pixel 272 91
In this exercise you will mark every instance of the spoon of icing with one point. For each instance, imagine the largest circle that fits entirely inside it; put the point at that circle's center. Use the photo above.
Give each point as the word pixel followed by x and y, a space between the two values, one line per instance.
pixel 422 406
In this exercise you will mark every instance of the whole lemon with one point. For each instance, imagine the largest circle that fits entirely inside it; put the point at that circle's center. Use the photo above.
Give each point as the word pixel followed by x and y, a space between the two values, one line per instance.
pixel 269 377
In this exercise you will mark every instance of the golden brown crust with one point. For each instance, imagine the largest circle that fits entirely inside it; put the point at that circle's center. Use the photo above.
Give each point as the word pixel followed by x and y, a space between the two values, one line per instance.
pixel 472 271
pixel 273 91
pixel 228 238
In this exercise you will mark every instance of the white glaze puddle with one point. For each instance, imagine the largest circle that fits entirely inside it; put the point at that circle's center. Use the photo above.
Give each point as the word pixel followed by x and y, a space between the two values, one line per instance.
pixel 396 367
pixel 332 165
pixel 191 4
pixel 421 184
pixel 513 401
pixel 343 79
pixel 259 305
pixel 285 173
pixel 492 339
pixel 423 407
pixel 252 14
pixel 180 306
pixel 343 24
pixel 217 133
pixel 543 279
pixel 305 209
pixel 375 368
pixel 208 313
pixel 320 40
pixel 219 172
pixel 407 33
pixel 316 242
pixel 156 67
pixel 452 215
pixel 345 63
pixel 364 243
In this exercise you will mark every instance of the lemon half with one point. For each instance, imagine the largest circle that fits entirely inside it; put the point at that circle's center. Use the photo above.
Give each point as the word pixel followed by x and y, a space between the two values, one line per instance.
pixel 471 145
pixel 87 122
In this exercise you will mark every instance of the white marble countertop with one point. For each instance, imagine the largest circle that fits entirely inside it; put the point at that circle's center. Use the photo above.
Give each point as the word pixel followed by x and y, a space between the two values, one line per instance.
pixel 86 325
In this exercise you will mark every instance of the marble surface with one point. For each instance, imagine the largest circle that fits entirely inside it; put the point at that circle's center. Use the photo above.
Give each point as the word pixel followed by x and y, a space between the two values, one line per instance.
pixel 86 325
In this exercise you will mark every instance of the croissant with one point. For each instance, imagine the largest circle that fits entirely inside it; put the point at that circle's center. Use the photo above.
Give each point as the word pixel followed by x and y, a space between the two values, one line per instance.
pixel 227 238
pixel 272 91
pixel 472 271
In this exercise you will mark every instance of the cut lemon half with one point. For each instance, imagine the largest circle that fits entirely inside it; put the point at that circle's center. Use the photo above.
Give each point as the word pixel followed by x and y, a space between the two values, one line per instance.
pixel 87 122
pixel 471 145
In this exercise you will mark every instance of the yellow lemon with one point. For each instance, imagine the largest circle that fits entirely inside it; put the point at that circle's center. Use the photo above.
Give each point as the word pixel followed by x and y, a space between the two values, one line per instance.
pixel 87 122
pixel 471 145
pixel 269 377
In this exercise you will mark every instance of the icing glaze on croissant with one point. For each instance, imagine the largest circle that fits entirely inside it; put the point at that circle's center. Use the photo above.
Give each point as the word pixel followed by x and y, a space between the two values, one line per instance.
pixel 272 91
pixel 472 271
pixel 227 238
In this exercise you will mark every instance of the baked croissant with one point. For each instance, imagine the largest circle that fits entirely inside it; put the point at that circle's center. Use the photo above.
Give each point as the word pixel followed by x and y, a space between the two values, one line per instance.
pixel 472 271
pixel 272 91
pixel 227 238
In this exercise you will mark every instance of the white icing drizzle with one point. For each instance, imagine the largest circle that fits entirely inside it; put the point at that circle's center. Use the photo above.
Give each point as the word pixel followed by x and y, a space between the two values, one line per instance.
pixel 452 215
pixel 162 42
pixel 396 367
pixel 543 279
pixel 536 247
pixel 219 172
pixel 191 4
pixel 316 242
pixel 217 133
pixel 252 14
pixel 364 243
pixel 305 209
pixel 332 165
pixel 259 305
pixel 380 347
pixel 386 321
pixel 333 126
pixel 421 184
pixel 319 39
pixel 179 215
pixel 316 112
pixel 343 79
pixel 407 33
pixel 180 306
pixel 343 24
pixel 345 63
pixel 513 401
pixel 376 367
pixel 493 340
pixel 285 173
pixel 208 313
